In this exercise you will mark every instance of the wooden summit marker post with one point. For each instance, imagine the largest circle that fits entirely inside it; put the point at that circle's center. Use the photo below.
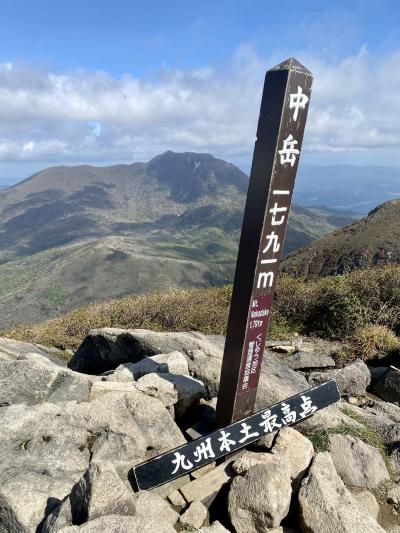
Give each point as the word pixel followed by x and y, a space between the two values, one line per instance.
pixel 279 136
pixel 281 124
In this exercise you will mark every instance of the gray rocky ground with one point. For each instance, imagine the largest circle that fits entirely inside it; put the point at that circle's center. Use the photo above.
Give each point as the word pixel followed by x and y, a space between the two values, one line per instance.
pixel 70 436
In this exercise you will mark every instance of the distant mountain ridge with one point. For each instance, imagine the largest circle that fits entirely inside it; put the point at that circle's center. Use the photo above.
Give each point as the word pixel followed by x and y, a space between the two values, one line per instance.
pixel 373 240
pixel 74 235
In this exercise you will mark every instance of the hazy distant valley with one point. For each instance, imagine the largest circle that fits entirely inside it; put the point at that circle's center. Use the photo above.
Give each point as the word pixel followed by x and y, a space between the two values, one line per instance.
pixel 347 187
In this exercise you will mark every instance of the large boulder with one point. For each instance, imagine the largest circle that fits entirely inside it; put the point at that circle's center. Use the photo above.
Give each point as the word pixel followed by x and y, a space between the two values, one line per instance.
pixel 329 418
pixel 295 450
pixel 99 492
pixel 15 349
pixel 104 349
pixel 277 382
pixel 357 463
pixel 180 392
pixel 326 506
pixel 34 379
pixel 383 417
pixel 352 380
pixel 44 450
pixel 261 498
pixel 388 386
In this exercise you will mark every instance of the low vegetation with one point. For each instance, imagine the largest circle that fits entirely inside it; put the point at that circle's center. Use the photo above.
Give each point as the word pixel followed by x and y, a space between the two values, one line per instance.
pixel 374 341
pixel 361 308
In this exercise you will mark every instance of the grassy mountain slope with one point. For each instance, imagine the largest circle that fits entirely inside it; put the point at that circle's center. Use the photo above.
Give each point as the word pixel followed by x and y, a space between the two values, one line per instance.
pixel 74 235
pixel 373 240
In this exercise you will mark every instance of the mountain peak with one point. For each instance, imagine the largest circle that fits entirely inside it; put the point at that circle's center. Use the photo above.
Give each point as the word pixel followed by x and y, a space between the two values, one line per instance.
pixel 191 175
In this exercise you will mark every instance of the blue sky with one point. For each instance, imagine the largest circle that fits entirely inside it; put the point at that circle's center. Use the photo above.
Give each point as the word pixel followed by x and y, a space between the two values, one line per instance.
pixel 102 82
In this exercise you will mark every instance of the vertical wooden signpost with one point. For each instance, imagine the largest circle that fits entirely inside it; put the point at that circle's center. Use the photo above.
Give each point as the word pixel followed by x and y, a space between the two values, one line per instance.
pixel 280 131
pixel 281 124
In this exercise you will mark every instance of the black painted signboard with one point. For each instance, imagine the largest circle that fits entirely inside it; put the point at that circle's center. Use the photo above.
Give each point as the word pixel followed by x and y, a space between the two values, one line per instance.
pixel 283 114
pixel 193 455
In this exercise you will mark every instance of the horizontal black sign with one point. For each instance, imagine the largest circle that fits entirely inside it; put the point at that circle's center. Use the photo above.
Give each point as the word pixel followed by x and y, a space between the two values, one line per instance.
pixel 195 454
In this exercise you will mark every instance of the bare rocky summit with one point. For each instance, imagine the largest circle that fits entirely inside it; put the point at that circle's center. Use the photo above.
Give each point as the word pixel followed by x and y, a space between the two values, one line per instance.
pixel 71 435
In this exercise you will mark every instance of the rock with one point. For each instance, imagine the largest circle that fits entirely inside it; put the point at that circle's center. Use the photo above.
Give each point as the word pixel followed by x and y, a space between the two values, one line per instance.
pixel 395 463
pixel 206 487
pixel 206 368
pixel 122 374
pixel 329 418
pixel 393 495
pixel 203 470
pixel 5 357
pixel 182 392
pixel 172 363
pixel 249 459
pixel 260 499
pixel 103 387
pixel 295 450
pixel 145 501
pixel 367 503
pixel 352 380
pixel 44 450
pixel 357 463
pixel 266 442
pixel 194 516
pixel 25 496
pixel 17 349
pixel 120 524
pixel 60 517
pixel 326 506
pixel 308 360
pixel 277 382
pixel 36 379
pixel 100 492
pixel 216 527
pixel 104 349
pixel 376 415
pixel 388 386
pixel 379 407
pixel 377 372
pixel 284 348
pixel 176 500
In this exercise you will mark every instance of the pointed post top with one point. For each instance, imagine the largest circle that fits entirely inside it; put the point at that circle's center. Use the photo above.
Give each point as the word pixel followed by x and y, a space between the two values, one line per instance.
pixel 292 64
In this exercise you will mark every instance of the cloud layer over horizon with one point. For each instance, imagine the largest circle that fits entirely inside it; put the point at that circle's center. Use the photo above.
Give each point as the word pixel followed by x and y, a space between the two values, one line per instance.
pixel 91 116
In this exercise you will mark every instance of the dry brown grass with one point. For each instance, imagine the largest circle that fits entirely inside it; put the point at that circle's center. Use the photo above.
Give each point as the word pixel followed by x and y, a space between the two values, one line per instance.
pixel 176 310
pixel 366 302
pixel 374 342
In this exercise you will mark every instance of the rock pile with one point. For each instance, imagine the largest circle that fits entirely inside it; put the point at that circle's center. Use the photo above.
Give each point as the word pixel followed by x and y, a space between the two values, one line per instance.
pixel 70 436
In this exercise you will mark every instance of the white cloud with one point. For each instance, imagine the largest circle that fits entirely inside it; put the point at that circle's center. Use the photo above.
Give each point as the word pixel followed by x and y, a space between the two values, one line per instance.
pixel 92 116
